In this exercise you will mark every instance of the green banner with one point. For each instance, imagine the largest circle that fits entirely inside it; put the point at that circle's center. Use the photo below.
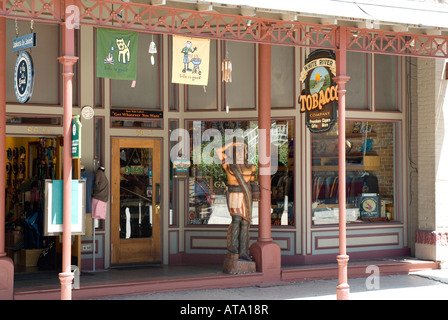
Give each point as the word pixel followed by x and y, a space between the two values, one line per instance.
pixel 116 54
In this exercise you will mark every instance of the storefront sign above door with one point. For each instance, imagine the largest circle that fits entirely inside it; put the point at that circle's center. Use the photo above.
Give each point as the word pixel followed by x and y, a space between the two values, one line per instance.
pixel 318 98
pixel 136 114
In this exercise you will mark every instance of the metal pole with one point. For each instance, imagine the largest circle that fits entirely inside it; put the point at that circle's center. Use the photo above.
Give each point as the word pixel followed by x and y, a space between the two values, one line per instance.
pixel 67 60
pixel 93 243
pixel 342 289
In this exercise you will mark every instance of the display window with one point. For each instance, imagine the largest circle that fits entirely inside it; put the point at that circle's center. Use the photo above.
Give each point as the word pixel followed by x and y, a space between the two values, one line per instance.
pixel 207 180
pixel 370 173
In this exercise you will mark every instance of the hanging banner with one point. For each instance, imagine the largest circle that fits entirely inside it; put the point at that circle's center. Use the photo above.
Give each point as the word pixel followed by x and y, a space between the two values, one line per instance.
pixel 116 54
pixel 318 99
pixel 190 60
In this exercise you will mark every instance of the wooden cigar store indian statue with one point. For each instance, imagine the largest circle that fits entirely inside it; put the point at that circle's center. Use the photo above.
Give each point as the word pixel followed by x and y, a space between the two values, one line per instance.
pixel 239 193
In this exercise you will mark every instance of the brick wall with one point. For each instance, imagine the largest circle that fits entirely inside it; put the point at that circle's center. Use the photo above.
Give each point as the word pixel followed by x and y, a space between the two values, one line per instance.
pixel 426 143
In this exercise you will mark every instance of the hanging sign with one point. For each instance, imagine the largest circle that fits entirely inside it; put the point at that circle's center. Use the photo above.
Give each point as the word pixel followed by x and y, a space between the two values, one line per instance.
pixel 190 60
pixel 181 167
pixel 318 99
pixel 24 77
pixel 76 137
pixel 54 199
pixel 116 54
pixel 24 42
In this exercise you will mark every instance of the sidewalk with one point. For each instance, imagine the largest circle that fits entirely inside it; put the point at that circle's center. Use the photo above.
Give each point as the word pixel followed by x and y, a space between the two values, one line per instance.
pixel 423 285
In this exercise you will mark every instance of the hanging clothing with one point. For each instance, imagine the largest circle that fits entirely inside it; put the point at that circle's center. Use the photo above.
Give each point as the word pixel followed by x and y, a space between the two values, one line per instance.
pixel 89 177
pixel 101 187
pixel 99 209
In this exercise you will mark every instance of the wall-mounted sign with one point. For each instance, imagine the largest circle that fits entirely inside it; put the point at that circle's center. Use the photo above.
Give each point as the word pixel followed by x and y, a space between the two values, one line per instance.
pixel 76 137
pixel 136 114
pixel 318 99
pixel 54 194
pixel 24 77
pixel 24 42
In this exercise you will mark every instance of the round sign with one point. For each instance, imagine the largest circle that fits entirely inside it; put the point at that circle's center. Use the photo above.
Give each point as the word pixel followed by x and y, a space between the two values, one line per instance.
pixel 87 112
pixel 24 77
pixel 369 205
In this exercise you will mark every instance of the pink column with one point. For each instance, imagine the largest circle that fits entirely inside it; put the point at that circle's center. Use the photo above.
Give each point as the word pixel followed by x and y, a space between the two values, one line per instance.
pixel 265 252
pixel 6 264
pixel 342 289
pixel 264 145
pixel 67 60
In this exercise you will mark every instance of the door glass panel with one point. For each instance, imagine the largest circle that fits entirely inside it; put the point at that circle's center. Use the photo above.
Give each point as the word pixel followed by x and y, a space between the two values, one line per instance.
pixel 136 192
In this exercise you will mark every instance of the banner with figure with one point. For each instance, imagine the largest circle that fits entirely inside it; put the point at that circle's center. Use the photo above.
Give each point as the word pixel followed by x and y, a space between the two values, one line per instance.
pixel 116 54
pixel 190 60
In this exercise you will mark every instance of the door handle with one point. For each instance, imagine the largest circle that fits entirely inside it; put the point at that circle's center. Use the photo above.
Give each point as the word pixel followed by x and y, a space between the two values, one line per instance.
pixel 158 194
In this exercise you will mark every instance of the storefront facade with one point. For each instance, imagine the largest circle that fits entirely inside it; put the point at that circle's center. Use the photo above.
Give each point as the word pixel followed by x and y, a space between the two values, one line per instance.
pixel 157 213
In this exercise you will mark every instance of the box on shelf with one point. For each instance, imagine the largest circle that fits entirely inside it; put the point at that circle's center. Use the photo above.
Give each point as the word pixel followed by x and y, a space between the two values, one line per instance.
pixel 331 215
pixel 29 257
pixel 369 205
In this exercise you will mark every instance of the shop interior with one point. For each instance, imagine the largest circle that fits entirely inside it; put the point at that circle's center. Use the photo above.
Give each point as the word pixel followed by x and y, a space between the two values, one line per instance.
pixel 370 184
pixel 207 181
pixel 30 161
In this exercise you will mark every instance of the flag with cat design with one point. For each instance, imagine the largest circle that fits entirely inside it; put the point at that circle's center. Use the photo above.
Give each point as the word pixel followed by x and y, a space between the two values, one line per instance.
pixel 116 54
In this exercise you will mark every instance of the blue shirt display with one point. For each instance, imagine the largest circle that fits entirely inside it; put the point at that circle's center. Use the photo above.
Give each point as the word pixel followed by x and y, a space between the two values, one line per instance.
pixel 89 177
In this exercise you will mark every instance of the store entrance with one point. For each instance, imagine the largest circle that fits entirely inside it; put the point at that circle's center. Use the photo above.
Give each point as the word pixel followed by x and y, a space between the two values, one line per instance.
pixel 136 201
pixel 29 162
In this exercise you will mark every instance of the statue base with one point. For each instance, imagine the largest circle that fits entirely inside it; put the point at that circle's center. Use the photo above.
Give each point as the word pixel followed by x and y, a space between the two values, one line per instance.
pixel 233 265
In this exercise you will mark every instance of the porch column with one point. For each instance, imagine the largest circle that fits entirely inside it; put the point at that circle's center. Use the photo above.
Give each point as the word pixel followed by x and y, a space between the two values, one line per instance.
pixel 431 156
pixel 342 289
pixel 67 60
pixel 265 252
pixel 6 264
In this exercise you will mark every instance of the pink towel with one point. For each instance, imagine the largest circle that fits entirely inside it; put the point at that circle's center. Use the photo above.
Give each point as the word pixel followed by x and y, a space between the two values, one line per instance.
pixel 99 209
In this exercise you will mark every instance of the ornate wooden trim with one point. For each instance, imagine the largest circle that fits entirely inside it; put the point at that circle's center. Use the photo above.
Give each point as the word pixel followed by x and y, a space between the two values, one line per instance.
pixel 169 20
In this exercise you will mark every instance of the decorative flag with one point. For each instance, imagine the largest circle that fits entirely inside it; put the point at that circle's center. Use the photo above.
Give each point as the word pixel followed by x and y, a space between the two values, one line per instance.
pixel 190 60
pixel 116 54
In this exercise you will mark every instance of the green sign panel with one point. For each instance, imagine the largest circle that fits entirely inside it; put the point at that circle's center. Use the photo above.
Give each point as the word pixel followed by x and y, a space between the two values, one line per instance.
pixel 76 138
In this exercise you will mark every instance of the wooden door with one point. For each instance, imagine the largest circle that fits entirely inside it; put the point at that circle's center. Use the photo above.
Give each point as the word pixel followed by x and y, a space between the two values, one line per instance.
pixel 136 201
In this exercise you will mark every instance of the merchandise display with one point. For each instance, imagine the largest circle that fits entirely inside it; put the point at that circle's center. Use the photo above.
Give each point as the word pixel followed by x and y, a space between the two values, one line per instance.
pixel 207 182
pixel 30 161
pixel 369 174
